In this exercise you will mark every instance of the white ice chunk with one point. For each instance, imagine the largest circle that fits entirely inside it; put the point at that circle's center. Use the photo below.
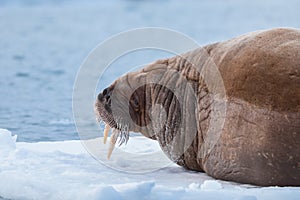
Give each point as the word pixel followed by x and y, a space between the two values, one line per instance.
pixel 7 142
pixel 211 185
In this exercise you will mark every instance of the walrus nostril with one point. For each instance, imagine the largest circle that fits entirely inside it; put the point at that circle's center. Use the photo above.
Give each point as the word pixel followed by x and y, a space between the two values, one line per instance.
pixel 106 94
pixel 105 91
pixel 100 97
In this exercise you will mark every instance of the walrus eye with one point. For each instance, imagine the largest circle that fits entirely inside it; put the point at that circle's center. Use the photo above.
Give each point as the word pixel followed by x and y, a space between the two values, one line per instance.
pixel 135 103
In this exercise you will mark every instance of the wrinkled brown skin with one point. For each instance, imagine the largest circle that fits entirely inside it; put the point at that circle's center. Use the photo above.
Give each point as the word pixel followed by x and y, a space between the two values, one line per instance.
pixel 260 141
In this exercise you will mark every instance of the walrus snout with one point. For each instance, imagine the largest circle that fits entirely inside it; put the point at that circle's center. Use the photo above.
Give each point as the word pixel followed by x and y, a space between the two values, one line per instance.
pixel 105 96
pixel 104 113
pixel 103 107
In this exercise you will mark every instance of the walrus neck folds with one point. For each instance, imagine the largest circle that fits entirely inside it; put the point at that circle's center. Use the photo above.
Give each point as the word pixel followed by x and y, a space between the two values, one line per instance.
pixel 165 114
pixel 181 92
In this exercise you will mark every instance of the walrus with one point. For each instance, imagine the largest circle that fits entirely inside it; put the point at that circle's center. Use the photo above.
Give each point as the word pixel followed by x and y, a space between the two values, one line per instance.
pixel 177 102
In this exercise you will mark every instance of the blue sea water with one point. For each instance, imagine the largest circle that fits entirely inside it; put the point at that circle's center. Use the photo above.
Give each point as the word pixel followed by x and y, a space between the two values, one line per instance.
pixel 43 43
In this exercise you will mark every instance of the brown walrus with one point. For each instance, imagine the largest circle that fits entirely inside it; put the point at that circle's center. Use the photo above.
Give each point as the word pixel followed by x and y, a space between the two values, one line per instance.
pixel 251 84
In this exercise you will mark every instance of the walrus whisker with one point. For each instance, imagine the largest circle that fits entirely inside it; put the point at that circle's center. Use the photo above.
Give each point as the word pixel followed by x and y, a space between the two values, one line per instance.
pixel 124 137
pixel 124 134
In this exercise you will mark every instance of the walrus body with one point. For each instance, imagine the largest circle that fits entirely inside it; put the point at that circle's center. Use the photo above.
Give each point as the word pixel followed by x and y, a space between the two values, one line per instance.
pixel 259 140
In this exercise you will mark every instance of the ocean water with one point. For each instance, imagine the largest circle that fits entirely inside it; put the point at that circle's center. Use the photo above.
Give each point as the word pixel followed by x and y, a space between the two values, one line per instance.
pixel 43 43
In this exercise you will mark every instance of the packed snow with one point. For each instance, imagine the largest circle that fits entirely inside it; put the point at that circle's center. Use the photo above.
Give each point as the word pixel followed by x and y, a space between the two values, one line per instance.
pixel 65 170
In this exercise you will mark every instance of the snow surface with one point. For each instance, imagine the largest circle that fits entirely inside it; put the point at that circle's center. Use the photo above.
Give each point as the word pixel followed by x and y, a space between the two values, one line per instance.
pixel 64 170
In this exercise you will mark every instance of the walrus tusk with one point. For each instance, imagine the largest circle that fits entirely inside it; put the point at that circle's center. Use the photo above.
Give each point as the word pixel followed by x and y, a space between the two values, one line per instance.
pixel 113 140
pixel 106 131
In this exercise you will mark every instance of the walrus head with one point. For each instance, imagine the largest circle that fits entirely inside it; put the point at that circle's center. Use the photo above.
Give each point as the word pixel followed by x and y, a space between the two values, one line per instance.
pixel 149 101
pixel 125 104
